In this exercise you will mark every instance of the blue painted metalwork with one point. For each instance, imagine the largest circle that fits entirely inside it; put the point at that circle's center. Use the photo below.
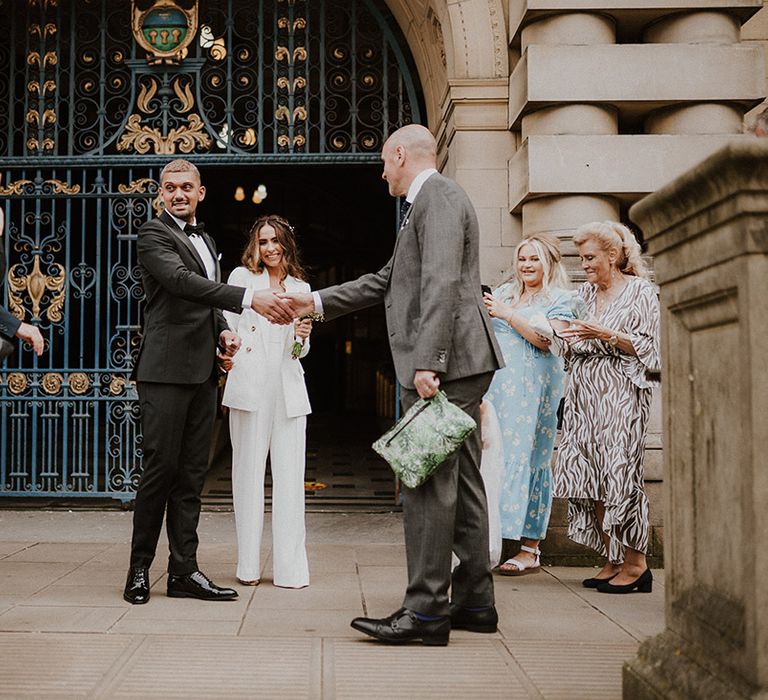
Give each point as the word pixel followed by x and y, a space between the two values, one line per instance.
pixel 85 125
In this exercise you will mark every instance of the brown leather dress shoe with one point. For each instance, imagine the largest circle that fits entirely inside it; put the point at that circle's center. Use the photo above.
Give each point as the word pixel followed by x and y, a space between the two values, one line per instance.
pixel 137 586
pixel 197 585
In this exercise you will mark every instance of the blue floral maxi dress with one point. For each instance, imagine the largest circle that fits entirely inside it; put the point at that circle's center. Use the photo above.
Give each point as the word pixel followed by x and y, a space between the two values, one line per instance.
pixel 607 404
pixel 525 395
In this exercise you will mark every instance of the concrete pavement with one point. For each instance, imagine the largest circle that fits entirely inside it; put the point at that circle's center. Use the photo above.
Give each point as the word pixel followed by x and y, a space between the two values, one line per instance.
pixel 65 630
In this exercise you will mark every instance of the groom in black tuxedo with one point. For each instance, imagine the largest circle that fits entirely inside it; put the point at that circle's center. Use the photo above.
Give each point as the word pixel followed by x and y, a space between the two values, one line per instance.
pixel 176 380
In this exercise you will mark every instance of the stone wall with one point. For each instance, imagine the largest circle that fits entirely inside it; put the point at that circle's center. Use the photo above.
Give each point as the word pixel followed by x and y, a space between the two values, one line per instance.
pixel 552 113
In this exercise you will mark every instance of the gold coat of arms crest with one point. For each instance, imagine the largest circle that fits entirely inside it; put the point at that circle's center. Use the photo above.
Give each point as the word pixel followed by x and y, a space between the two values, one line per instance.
pixel 164 28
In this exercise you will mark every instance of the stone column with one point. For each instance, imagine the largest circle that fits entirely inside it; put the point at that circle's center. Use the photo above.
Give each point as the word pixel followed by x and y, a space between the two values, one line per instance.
pixel 696 27
pixel 708 232
pixel 560 214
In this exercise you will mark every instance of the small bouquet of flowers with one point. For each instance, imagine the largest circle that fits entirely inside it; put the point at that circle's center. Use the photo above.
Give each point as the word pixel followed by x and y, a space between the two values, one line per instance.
pixel 298 343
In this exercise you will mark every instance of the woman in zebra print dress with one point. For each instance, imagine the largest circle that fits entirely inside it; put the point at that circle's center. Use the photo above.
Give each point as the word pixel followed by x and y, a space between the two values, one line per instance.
pixel 613 358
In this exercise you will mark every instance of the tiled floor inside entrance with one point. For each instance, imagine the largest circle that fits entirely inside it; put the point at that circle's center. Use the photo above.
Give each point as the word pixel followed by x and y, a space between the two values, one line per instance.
pixel 342 469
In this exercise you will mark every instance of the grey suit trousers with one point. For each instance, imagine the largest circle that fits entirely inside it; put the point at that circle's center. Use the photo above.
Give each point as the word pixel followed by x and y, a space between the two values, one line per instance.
pixel 448 513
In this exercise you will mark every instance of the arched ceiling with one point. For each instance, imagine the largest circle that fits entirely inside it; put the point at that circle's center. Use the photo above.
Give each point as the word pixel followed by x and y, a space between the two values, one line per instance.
pixel 453 40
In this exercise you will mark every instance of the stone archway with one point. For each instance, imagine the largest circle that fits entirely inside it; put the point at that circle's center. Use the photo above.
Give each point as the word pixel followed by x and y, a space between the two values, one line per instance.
pixel 460 49
pixel 453 40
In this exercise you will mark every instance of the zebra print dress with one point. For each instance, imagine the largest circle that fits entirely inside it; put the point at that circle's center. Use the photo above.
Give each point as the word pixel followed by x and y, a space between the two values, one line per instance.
pixel 605 418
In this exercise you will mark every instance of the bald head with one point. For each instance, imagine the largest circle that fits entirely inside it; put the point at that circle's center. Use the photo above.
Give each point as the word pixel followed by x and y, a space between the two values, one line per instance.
pixel 417 141
pixel 406 153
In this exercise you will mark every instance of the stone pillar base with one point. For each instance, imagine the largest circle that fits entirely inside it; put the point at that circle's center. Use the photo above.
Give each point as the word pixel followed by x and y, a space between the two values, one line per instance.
pixel 667 666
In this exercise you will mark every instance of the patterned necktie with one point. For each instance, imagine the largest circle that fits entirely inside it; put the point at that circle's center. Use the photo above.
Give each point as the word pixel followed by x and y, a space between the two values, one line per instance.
pixel 195 229
pixel 404 209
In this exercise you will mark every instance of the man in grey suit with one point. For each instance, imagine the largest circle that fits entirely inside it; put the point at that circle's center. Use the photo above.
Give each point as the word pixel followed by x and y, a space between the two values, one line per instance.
pixel 441 338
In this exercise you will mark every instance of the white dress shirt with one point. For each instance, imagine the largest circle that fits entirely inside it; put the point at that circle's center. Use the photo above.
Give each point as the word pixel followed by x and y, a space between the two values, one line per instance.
pixel 207 257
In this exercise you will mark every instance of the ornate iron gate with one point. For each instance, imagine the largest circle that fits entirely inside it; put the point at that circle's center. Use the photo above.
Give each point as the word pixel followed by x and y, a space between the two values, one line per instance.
pixel 97 97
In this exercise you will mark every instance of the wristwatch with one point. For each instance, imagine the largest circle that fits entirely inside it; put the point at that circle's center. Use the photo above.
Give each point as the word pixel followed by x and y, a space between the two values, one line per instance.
pixel 613 341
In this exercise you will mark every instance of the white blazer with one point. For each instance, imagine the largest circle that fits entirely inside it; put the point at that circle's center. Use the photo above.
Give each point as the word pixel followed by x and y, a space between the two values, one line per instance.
pixel 247 377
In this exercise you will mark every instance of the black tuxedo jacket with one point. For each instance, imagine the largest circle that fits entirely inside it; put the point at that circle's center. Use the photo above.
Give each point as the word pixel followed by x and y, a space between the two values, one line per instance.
pixel 182 317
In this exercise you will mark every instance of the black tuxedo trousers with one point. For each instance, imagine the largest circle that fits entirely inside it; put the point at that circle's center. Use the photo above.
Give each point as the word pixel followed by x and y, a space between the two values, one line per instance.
pixel 177 423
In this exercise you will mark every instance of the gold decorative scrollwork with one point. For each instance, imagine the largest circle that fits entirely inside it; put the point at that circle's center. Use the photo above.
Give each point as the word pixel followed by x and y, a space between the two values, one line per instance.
pixel 142 138
pixel 60 187
pixel 141 185
pixel 147 92
pixel 17 383
pixel 57 186
pixel 51 383
pixel 35 87
pixel 217 47
pixel 184 93
pixel 42 32
pixel 117 385
pixel 35 284
pixel 15 187
pixel 78 383
pixel 248 137
pixel 48 59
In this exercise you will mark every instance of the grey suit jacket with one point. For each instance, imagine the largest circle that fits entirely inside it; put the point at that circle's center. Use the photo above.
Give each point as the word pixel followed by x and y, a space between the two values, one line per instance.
pixel 9 324
pixel 431 289
pixel 182 321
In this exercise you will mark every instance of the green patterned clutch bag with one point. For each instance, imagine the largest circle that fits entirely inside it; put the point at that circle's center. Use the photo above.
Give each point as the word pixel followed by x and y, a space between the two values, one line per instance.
pixel 430 431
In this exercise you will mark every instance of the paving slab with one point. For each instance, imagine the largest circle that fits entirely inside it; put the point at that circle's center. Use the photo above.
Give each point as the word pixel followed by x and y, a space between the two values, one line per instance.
pixel 467 668
pixel 49 618
pixel 571 670
pixel 213 667
pixel 8 548
pixel 299 623
pixel 65 552
pixel 65 630
pixel 39 665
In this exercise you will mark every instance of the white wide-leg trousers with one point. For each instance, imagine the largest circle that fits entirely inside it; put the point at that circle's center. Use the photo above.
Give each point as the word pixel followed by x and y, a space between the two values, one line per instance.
pixel 254 435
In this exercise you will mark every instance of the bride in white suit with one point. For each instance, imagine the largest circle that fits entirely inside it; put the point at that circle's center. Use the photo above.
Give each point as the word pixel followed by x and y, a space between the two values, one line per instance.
pixel 268 403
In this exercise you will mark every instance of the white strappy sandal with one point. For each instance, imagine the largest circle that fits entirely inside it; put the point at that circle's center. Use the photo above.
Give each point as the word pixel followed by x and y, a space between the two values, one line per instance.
pixel 522 568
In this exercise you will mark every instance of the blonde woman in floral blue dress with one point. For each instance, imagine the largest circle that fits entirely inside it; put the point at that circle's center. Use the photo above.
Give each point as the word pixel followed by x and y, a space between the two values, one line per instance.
pixel 525 394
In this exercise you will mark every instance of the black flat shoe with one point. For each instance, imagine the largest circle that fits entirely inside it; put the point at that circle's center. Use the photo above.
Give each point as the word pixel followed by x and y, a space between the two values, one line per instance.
pixel 197 585
pixel 484 621
pixel 642 584
pixel 595 582
pixel 403 626
pixel 137 586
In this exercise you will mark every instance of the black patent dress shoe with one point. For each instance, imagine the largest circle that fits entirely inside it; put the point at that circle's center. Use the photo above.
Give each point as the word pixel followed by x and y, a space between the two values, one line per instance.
pixel 137 586
pixel 197 585
pixel 642 584
pixel 484 620
pixel 403 626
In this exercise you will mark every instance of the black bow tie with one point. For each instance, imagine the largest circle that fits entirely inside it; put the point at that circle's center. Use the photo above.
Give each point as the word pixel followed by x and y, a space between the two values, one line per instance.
pixel 194 229
pixel 404 209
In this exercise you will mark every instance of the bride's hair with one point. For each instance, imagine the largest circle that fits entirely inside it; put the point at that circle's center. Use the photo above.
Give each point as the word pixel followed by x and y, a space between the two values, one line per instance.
pixel 611 235
pixel 285 237
pixel 547 248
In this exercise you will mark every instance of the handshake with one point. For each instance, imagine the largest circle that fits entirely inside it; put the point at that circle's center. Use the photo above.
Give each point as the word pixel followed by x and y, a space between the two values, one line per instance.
pixel 277 307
